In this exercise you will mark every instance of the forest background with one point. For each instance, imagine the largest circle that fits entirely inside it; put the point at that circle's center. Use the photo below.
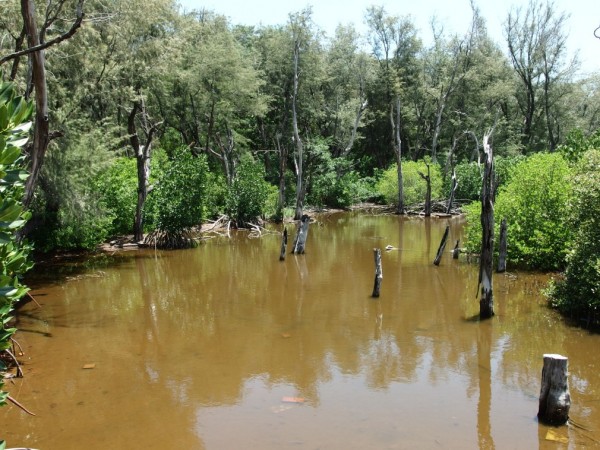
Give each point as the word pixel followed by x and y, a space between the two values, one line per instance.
pixel 151 118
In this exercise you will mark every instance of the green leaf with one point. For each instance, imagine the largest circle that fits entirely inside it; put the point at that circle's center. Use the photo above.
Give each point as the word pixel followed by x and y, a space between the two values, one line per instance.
pixel 3 117
pixel 9 155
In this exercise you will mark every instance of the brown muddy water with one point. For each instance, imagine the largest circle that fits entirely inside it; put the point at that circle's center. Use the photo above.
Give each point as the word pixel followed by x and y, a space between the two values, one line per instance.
pixel 226 347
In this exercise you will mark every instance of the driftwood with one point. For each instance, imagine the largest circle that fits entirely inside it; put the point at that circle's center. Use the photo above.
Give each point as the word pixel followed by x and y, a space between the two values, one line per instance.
pixel 486 302
pixel 301 235
pixel 378 272
pixel 283 245
pixel 502 248
pixel 442 246
pixel 555 400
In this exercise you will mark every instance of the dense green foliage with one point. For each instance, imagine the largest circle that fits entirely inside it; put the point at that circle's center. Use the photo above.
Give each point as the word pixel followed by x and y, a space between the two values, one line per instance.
pixel 15 113
pixel 415 187
pixel 179 194
pixel 534 203
pixel 248 193
pixel 578 293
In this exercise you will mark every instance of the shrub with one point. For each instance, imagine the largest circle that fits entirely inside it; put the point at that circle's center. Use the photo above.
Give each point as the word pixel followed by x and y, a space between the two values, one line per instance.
pixel 414 187
pixel 248 192
pixel 14 124
pixel 578 293
pixel 534 203
pixel 117 186
pixel 179 193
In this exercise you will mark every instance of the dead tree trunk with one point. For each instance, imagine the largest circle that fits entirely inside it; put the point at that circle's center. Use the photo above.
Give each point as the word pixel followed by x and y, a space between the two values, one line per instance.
pixel 283 245
pixel 442 246
pixel 502 250
pixel 378 272
pixel 142 156
pixel 486 302
pixel 299 156
pixel 427 179
pixel 398 151
pixel 301 235
pixel 452 192
pixel 555 400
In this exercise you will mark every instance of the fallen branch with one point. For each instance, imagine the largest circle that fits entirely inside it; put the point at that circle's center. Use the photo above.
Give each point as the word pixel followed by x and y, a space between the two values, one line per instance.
pixel 17 404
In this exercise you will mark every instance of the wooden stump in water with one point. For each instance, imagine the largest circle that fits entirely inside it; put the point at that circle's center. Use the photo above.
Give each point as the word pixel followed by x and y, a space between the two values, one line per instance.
pixel 440 251
pixel 555 400
pixel 502 248
pixel 456 250
pixel 283 245
pixel 301 235
pixel 378 272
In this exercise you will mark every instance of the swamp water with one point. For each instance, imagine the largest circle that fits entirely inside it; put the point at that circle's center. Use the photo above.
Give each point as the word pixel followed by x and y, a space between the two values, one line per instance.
pixel 226 347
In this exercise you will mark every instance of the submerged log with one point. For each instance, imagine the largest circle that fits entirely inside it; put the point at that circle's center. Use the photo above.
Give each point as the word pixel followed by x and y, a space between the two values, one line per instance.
pixel 502 247
pixel 555 400
pixel 378 272
pixel 440 251
pixel 283 244
pixel 301 235
pixel 456 250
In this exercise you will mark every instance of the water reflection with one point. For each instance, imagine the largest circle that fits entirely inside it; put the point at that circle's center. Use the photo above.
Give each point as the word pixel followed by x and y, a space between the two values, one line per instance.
pixel 210 340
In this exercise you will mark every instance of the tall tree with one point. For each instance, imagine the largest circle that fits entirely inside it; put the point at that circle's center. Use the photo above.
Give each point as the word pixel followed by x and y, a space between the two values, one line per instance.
pixel 395 45
pixel 536 41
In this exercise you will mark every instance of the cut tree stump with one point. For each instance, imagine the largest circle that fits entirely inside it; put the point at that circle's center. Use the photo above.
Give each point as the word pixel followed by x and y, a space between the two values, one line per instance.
pixel 555 400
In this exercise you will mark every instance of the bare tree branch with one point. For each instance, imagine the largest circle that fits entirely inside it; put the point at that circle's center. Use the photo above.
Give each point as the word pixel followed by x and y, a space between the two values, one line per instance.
pixel 56 40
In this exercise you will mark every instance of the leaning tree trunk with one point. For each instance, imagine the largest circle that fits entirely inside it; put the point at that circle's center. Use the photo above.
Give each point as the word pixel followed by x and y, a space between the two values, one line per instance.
pixel 36 51
pixel 486 302
pixel 41 121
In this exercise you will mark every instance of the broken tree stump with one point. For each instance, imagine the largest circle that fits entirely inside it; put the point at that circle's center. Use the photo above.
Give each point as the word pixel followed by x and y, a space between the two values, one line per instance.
pixel 456 250
pixel 486 301
pixel 440 251
pixel 301 235
pixel 502 247
pixel 555 400
pixel 283 244
pixel 378 272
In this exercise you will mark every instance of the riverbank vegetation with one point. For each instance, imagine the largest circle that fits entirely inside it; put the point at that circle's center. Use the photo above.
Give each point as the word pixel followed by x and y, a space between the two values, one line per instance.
pixel 150 120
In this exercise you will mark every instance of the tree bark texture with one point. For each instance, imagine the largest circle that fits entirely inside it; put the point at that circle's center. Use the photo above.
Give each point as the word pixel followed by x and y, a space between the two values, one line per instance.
pixel 378 272
pixel 486 302
pixel 301 235
pixel 502 247
pixel 440 252
pixel 555 400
